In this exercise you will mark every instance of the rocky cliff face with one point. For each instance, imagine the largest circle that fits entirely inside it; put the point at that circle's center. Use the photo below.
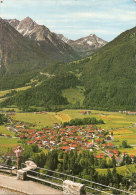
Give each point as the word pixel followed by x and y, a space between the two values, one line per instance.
pixel 48 41
pixel 56 45
pixel 85 46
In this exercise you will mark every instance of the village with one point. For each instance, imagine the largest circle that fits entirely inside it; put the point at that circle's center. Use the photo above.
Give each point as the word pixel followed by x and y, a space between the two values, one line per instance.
pixel 85 137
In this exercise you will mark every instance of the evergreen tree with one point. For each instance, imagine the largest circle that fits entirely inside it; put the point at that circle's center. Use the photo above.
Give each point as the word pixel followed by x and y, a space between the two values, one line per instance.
pixel 109 176
pixel 113 161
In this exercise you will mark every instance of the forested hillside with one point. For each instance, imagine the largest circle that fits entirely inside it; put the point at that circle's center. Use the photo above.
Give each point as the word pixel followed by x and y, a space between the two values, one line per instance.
pixel 46 94
pixel 108 78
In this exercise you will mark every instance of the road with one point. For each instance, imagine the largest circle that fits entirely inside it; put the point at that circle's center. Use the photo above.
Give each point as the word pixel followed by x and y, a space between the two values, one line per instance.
pixel 24 187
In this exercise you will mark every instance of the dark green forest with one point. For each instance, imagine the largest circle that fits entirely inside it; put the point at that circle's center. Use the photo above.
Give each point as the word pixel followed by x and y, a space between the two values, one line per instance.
pixel 3 119
pixel 84 121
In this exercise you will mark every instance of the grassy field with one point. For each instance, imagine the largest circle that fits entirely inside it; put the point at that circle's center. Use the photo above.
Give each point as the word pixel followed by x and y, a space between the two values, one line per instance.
pixel 3 130
pixel 2 93
pixel 6 143
pixel 40 120
pixel 74 96
pixel 10 108
pixel 129 151
pixel 121 170
pixel 62 117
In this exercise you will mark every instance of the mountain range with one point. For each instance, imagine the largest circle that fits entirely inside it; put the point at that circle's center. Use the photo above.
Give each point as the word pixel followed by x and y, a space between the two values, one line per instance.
pixel 25 46
pixel 48 42
pixel 105 80
pixel 18 54
pixel 47 39
pixel 85 46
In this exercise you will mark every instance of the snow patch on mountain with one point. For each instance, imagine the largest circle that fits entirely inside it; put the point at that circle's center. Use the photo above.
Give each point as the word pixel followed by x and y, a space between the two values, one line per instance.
pixel 89 42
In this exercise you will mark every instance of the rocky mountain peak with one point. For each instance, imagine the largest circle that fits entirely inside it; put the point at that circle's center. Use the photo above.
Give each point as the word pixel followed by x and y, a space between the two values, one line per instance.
pixel 28 20
pixel 91 35
pixel 61 36
pixel 26 26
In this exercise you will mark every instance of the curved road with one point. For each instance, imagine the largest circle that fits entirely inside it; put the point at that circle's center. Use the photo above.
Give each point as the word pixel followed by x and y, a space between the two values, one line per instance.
pixel 24 187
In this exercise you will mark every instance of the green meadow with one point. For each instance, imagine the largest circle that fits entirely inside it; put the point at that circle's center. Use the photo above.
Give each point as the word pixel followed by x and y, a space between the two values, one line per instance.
pixel 120 170
pixel 4 131
pixel 74 95
pixel 2 93
pixel 7 143
pixel 40 120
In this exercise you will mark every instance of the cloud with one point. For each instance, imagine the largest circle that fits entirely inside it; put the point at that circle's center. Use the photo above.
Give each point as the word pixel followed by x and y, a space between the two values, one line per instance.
pixel 89 31
pixel 116 15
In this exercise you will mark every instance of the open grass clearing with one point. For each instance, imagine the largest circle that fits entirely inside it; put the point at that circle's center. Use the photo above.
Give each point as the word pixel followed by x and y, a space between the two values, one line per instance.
pixel 4 130
pixel 10 109
pixel 6 143
pixel 2 93
pixel 74 95
pixel 121 170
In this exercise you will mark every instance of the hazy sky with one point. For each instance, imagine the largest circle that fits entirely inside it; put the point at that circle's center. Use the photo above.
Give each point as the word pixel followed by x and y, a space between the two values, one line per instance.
pixel 75 18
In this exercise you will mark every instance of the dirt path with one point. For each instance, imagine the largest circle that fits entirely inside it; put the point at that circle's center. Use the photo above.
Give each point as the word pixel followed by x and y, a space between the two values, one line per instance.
pixel 25 187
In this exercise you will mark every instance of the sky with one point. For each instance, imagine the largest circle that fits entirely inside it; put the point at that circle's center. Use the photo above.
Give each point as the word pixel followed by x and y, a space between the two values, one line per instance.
pixel 75 18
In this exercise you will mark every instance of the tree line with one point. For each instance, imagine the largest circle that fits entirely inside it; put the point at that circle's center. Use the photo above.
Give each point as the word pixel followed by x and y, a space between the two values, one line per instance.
pixel 3 119
pixel 84 121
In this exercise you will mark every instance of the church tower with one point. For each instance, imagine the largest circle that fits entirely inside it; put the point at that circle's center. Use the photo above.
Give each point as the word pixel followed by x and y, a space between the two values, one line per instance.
pixel 112 138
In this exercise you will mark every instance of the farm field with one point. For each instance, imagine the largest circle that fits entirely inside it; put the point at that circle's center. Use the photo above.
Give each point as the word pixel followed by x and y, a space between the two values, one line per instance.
pixel 41 120
pixel 129 151
pixel 62 117
pixel 6 143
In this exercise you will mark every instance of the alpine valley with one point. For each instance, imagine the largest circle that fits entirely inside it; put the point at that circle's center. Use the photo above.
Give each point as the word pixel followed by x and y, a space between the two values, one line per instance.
pixel 60 73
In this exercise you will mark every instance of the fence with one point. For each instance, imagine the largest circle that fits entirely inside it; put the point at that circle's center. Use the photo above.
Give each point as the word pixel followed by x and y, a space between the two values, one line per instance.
pixel 6 167
pixel 56 178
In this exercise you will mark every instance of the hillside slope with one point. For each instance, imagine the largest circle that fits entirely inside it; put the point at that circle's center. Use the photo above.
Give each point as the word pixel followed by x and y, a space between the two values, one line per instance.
pixel 18 55
pixel 109 76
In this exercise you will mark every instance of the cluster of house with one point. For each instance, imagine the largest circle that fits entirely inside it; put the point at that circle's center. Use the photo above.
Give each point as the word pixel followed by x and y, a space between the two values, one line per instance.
pixel 72 137
pixel 128 112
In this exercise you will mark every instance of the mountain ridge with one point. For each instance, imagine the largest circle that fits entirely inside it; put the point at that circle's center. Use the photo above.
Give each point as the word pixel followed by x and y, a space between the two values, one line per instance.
pixel 47 41
pixel 18 54
pixel 84 46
